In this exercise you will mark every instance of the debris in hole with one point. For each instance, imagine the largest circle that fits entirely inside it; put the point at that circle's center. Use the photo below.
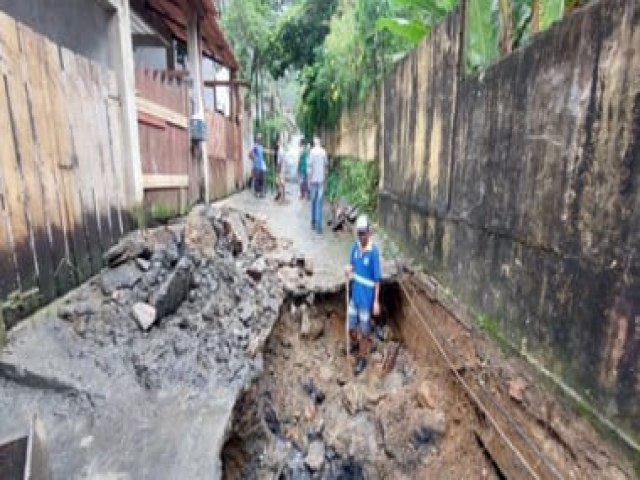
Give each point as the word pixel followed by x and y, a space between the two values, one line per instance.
pixel 271 419
pixel 423 435
pixel 517 388
pixel 311 326
pixel 315 457
pixel 313 391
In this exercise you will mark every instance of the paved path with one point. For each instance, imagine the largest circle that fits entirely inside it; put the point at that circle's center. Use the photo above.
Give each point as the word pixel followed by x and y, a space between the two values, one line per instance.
pixel 329 252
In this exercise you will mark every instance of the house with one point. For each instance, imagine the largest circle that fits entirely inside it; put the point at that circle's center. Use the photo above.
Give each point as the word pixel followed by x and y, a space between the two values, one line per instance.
pixel 97 101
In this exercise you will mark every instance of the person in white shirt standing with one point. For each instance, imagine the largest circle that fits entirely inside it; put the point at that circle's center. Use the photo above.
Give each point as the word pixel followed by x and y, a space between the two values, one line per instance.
pixel 317 167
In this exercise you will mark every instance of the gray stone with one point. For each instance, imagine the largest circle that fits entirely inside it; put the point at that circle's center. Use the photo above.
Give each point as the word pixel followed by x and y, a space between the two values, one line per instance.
pixel 143 264
pixel 122 296
pixel 308 266
pixel 257 269
pixel 200 237
pixel 144 314
pixel 133 246
pixel 173 291
pixel 315 457
pixel 236 231
pixel 123 276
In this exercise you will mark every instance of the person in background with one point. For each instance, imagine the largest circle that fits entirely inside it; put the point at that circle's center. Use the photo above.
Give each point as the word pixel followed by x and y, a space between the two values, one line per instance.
pixel 365 273
pixel 317 167
pixel 278 164
pixel 259 166
pixel 302 170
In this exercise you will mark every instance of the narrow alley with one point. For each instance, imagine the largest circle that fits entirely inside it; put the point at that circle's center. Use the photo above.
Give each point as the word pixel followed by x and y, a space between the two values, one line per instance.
pixel 319 239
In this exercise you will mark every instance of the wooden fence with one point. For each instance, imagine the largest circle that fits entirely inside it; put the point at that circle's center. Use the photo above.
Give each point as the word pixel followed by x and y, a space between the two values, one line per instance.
pixel 224 147
pixel 171 178
pixel 61 191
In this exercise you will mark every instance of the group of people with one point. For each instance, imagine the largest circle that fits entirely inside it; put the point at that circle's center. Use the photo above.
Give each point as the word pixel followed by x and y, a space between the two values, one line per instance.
pixel 312 170
pixel 363 271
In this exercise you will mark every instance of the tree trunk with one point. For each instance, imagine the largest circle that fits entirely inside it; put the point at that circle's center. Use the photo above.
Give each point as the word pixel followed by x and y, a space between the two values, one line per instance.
pixel 536 7
pixel 506 27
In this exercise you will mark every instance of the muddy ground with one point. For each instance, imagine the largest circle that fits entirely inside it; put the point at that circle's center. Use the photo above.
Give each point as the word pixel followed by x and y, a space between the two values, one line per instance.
pixel 308 417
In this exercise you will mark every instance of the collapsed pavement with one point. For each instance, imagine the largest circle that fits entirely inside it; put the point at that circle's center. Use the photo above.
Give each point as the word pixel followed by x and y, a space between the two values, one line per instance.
pixel 135 373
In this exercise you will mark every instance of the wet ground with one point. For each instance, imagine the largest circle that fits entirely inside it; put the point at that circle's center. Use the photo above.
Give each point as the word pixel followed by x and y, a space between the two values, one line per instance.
pixel 328 252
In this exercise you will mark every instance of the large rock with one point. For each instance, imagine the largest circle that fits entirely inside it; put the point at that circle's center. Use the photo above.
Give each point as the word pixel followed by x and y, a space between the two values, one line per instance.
pixel 129 248
pixel 236 231
pixel 144 314
pixel 123 276
pixel 200 235
pixel 315 457
pixel 173 291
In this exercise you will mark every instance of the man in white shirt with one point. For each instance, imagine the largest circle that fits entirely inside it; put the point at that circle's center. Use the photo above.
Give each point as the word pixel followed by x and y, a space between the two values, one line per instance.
pixel 317 167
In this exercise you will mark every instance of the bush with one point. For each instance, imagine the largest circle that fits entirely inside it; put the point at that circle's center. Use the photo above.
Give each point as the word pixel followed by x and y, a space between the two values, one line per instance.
pixel 354 180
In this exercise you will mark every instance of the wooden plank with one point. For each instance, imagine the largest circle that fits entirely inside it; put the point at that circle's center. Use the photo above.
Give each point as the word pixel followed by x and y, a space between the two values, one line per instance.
pixel 118 166
pixel 44 205
pixel 9 278
pixel 89 160
pixel 77 262
pixel 73 93
pixel 151 120
pixel 15 134
pixel 98 75
pixel 157 110
pixel 73 267
pixel 160 181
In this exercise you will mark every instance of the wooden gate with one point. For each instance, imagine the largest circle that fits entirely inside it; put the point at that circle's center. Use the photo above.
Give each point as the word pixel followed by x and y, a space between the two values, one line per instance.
pixel 61 164
pixel 224 146
pixel 170 177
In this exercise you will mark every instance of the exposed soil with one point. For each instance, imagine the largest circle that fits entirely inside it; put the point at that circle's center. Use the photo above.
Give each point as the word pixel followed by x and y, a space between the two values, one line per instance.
pixel 309 417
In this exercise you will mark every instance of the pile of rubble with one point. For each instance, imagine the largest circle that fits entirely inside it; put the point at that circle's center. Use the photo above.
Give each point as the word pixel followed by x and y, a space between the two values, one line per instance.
pixel 172 327
pixel 181 304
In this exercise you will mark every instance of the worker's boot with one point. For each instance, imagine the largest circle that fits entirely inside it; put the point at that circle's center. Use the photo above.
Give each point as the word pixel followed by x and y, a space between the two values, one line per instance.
pixel 361 363
pixel 354 346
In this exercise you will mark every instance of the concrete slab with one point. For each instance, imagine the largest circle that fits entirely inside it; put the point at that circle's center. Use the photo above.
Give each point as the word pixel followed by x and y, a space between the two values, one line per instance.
pixel 328 252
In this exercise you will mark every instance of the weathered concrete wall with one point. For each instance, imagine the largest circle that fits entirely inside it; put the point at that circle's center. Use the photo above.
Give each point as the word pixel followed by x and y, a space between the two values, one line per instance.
pixel 519 190
pixel 356 135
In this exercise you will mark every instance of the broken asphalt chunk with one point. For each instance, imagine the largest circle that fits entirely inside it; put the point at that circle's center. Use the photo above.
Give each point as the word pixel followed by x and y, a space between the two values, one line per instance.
pixel 144 314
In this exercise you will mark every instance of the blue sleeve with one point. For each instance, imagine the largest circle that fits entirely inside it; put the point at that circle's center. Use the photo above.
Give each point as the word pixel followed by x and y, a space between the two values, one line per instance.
pixel 377 268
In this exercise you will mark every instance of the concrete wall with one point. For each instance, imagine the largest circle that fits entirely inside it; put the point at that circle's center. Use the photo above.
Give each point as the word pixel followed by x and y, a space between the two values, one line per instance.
pixel 79 25
pixel 519 190
pixel 357 132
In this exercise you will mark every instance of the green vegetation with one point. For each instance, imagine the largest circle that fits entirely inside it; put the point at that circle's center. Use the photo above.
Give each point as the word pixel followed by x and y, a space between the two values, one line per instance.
pixel 339 49
pixel 490 325
pixel 355 181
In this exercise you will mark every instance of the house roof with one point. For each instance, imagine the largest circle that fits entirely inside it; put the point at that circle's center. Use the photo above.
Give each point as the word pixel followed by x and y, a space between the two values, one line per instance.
pixel 175 13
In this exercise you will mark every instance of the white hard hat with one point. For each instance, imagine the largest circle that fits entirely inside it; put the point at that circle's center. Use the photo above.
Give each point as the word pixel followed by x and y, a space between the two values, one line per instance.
pixel 362 223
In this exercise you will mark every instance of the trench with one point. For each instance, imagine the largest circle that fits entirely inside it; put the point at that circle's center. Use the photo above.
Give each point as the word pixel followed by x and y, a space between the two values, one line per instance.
pixel 406 416
pixel 308 416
